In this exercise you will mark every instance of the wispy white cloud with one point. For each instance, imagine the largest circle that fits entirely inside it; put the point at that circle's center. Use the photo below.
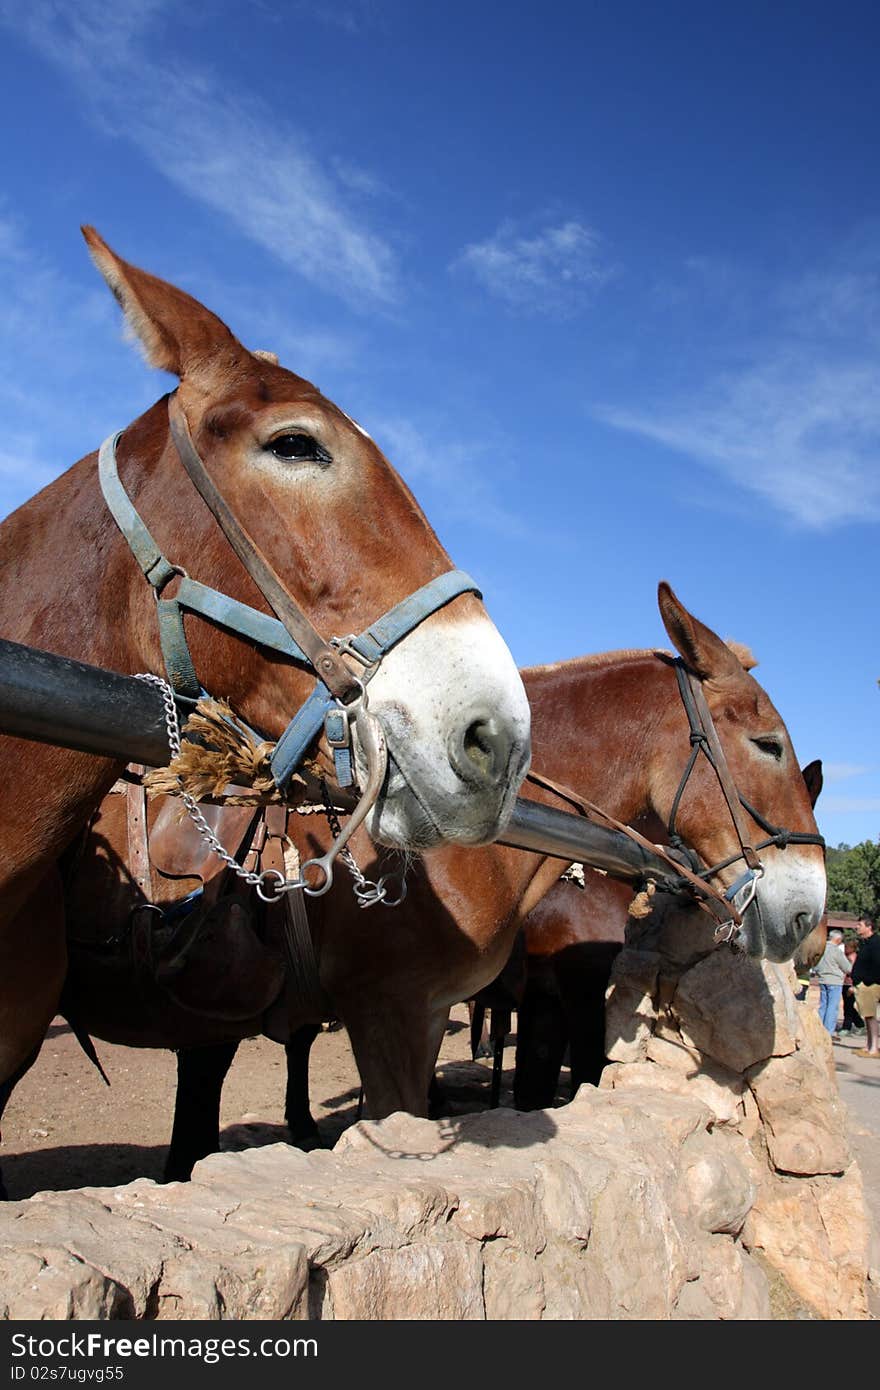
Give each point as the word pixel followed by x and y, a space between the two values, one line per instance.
pixel 219 147
pixel 556 271
pixel 843 804
pixel 842 772
pixel 799 424
pixel 448 476
pixel 352 16
pixel 805 437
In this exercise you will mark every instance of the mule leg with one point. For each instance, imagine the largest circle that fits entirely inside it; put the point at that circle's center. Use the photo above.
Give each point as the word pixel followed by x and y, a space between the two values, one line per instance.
pixel 33 964
pixel 541 1037
pixel 498 1031
pixel 583 974
pixel 480 1045
pixel 395 1045
pixel 297 1114
pixel 201 1072
pixel 6 1089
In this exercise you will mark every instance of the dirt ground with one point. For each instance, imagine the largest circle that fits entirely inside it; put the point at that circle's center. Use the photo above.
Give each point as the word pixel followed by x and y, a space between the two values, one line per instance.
pixel 64 1128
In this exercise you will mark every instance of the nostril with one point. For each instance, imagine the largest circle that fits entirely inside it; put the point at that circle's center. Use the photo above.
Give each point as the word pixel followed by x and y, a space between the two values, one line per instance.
pixel 479 744
pixel 481 752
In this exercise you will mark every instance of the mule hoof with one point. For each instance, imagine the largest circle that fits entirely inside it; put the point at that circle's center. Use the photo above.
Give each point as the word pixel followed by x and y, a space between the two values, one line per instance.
pixel 309 1144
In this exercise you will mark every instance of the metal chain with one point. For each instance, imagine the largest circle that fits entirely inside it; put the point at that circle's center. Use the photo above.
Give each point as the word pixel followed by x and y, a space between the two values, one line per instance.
pixel 366 890
pixel 258 881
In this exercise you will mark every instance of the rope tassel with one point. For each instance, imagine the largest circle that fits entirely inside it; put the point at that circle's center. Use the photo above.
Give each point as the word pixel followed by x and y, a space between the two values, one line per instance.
pixel 218 751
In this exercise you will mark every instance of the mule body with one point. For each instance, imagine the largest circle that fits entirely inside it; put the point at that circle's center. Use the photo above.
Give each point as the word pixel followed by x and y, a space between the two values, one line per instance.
pixel 345 540
pixel 613 729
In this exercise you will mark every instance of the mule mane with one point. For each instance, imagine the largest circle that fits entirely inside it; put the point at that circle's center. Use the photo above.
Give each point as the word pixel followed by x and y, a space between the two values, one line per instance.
pixel 743 654
pixel 592 660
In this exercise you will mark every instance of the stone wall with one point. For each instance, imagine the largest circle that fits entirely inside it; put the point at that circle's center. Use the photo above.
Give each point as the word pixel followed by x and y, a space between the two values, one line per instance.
pixel 708 1177
pixel 621 1205
pixel 687 1018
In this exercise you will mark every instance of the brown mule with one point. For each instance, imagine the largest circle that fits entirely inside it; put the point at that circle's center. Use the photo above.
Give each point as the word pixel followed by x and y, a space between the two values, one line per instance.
pixel 345 540
pixel 614 729
pixel 571 940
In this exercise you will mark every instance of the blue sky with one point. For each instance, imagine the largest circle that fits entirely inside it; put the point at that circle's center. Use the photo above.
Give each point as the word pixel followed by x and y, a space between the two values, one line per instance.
pixel 603 280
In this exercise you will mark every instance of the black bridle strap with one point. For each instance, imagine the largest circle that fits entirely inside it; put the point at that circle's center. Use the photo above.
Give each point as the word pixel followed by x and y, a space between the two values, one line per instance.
pixel 326 661
pixel 722 909
pixel 722 772
pixel 704 736
pixel 776 836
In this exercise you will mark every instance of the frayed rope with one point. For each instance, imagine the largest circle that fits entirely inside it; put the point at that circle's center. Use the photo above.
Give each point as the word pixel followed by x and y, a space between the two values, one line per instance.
pixel 641 905
pixel 218 752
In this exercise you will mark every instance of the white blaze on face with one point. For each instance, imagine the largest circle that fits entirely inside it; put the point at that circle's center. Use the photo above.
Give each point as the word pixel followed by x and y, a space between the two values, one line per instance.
pixel 791 897
pixel 445 677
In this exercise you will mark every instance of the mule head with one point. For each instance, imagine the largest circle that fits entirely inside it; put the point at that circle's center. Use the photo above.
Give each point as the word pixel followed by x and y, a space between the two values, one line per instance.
pixel 348 541
pixel 790 896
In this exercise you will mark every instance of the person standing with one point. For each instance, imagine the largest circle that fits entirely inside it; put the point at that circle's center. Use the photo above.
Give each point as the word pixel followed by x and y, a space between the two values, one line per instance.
pixel 852 1019
pixel 866 978
pixel 831 972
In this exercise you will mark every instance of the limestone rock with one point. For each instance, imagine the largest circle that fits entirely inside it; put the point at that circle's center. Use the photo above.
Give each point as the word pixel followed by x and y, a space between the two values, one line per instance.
pixel 634 1237
pixel 723 1100
pixel 718 1182
pixel 816 1038
pixel 629 1004
pixel 727 1007
pixel 418 1281
pixel 50 1284
pixel 513 1283
pixel 804 1122
pixel 815 1233
pixel 731 1286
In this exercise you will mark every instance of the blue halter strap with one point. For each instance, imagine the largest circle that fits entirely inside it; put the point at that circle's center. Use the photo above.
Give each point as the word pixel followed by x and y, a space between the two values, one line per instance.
pixel 321 710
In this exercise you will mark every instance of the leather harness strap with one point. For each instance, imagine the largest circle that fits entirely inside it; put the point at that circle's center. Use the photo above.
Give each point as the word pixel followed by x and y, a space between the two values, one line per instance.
pixel 138 860
pixel 722 910
pixel 335 674
pixel 304 989
pixel 705 735
pixel 291 633
pixel 704 738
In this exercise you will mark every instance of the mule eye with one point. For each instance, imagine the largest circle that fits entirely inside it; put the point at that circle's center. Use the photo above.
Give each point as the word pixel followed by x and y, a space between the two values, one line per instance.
pixel 298 446
pixel 771 746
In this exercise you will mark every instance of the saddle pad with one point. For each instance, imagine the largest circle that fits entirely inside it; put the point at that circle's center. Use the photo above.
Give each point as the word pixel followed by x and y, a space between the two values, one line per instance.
pixel 177 849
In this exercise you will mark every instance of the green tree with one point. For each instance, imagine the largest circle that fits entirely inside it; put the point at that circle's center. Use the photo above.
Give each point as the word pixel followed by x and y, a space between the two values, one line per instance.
pixel 854 879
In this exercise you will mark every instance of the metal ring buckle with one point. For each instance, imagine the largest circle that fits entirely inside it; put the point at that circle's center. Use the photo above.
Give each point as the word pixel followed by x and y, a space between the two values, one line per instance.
pixel 749 888
pixel 177 572
pixel 345 646
pixel 359 700
pixel 324 865
pixel 392 902
pixel 726 931
pixel 271 875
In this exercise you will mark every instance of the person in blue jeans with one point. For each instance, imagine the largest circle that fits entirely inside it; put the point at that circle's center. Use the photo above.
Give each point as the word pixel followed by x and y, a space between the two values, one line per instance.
pixel 831 972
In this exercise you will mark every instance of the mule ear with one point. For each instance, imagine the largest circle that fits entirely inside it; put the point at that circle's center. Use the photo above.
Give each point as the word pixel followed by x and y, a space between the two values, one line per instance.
pixel 812 775
pixel 702 649
pixel 178 334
